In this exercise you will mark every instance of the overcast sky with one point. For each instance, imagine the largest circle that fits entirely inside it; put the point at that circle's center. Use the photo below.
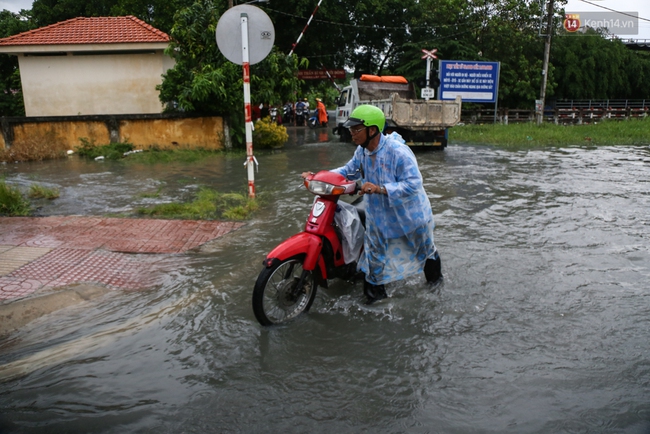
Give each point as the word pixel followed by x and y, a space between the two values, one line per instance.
pixel 640 6
pixel 15 5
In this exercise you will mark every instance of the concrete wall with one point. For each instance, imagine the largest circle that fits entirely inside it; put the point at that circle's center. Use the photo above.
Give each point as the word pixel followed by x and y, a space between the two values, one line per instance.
pixel 160 131
pixel 88 84
pixel 203 132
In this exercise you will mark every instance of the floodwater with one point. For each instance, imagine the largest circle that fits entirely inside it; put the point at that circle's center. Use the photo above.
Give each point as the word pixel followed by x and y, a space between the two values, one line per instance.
pixel 541 326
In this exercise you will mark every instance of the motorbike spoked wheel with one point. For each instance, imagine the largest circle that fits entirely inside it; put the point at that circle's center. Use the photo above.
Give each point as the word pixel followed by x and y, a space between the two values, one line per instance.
pixel 277 297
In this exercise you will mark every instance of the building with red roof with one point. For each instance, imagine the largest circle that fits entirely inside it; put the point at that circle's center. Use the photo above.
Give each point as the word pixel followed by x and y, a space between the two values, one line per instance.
pixel 91 66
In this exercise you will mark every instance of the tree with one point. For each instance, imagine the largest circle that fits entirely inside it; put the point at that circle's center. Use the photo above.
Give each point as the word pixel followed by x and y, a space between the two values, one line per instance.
pixel 367 36
pixel 11 96
pixel 591 66
pixel 158 13
pixel 204 81
pixel 326 40
pixel 511 36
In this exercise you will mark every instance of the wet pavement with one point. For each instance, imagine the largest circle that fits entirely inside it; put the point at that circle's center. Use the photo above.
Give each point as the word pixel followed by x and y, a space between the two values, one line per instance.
pixel 44 253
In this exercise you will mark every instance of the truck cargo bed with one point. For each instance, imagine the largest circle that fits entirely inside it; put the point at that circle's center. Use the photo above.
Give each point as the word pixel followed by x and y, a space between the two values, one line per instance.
pixel 419 114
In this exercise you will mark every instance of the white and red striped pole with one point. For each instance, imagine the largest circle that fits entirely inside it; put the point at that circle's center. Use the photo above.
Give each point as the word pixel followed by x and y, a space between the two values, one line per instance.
pixel 248 118
pixel 293 47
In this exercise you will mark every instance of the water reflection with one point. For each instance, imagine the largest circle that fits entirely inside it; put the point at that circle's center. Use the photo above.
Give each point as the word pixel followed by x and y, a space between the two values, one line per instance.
pixel 541 324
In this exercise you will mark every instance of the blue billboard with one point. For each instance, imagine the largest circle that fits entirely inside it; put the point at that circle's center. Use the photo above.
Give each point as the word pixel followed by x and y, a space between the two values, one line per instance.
pixel 473 81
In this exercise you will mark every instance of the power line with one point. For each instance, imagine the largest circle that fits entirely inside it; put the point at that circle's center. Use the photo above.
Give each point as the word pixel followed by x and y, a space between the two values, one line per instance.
pixel 614 10
pixel 374 27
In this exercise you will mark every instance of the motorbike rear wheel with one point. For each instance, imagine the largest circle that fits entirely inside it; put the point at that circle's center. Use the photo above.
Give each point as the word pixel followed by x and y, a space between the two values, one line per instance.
pixel 277 297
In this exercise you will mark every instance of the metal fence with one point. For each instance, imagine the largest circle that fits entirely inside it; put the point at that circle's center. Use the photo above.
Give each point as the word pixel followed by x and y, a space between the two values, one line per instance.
pixel 565 112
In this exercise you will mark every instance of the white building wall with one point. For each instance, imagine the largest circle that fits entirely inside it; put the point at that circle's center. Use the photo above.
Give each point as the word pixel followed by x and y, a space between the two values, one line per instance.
pixel 92 84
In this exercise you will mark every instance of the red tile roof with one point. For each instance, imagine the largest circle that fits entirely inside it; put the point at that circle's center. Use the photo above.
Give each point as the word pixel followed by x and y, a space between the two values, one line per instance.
pixel 95 30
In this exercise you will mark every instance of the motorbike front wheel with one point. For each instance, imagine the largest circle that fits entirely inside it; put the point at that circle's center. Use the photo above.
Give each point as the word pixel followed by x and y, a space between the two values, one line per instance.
pixel 312 122
pixel 278 295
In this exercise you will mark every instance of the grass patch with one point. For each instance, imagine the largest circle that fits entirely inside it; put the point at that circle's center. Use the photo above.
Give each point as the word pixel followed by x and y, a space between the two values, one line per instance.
pixel 152 195
pixel 37 191
pixel 12 202
pixel 112 151
pixel 604 133
pixel 155 156
pixel 208 205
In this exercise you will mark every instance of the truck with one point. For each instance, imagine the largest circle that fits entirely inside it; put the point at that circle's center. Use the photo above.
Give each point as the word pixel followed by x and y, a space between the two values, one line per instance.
pixel 421 122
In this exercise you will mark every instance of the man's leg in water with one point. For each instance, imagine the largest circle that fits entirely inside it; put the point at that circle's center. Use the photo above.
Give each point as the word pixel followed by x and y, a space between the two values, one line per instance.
pixel 433 268
pixel 373 292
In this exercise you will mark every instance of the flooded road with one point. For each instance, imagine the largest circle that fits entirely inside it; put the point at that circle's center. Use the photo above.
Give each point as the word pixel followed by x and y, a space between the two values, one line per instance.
pixel 542 324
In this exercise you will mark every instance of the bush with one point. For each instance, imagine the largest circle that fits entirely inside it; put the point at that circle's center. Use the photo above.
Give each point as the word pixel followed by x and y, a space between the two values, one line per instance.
pixel 112 151
pixel 12 202
pixel 268 134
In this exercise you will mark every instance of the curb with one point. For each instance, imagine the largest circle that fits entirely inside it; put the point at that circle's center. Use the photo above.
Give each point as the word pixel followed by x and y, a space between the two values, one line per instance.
pixel 17 314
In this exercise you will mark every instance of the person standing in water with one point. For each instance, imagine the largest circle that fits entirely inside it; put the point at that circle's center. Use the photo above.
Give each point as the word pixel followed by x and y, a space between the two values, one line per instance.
pixel 399 220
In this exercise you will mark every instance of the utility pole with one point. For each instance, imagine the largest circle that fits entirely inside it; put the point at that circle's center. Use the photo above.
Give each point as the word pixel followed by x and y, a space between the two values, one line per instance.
pixel 547 55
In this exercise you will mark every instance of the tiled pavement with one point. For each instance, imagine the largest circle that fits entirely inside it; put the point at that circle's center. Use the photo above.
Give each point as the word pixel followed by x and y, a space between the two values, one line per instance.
pixel 48 252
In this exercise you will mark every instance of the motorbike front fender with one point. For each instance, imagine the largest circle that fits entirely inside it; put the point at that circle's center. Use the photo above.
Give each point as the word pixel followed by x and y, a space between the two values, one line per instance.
pixel 301 244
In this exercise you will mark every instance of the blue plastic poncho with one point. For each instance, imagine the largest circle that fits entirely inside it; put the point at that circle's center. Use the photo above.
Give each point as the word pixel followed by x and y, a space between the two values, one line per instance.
pixel 399 225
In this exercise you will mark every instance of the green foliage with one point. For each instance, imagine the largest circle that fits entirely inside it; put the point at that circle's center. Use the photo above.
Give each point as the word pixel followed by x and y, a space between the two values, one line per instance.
pixel 12 202
pixel 203 81
pixel 367 36
pixel 112 151
pixel 323 90
pixel 37 191
pixel 208 205
pixel 590 66
pixel 237 131
pixel 11 96
pixel 610 133
pixel 158 13
pixel 269 134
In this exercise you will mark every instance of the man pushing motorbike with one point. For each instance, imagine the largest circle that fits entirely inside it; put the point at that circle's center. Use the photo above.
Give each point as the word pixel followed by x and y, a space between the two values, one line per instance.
pixel 399 221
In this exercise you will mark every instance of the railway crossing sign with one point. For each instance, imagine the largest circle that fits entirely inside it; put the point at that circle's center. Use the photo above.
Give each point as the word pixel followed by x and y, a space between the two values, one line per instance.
pixel 427 93
pixel 430 54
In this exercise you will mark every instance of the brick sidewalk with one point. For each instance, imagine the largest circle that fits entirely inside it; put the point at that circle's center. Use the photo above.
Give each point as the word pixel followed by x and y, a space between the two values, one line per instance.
pixel 49 252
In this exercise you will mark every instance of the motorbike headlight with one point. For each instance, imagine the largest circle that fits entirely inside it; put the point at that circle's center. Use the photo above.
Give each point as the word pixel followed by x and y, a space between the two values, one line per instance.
pixel 324 188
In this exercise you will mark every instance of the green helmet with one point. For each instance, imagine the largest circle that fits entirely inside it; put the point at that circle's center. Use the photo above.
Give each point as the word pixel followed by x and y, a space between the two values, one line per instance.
pixel 368 115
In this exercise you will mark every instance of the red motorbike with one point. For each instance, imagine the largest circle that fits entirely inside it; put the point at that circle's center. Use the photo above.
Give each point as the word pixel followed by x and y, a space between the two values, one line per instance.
pixel 327 248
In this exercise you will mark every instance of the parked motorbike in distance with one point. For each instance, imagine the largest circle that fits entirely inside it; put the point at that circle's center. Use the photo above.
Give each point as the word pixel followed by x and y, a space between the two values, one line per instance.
pixel 324 250
pixel 287 113
pixel 301 114
pixel 273 112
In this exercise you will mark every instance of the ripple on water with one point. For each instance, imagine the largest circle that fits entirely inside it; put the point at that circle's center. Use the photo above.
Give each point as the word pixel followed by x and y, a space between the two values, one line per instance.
pixel 541 324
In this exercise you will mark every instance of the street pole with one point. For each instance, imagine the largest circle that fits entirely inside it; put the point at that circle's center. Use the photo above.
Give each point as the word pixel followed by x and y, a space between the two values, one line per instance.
pixel 547 55
pixel 250 159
